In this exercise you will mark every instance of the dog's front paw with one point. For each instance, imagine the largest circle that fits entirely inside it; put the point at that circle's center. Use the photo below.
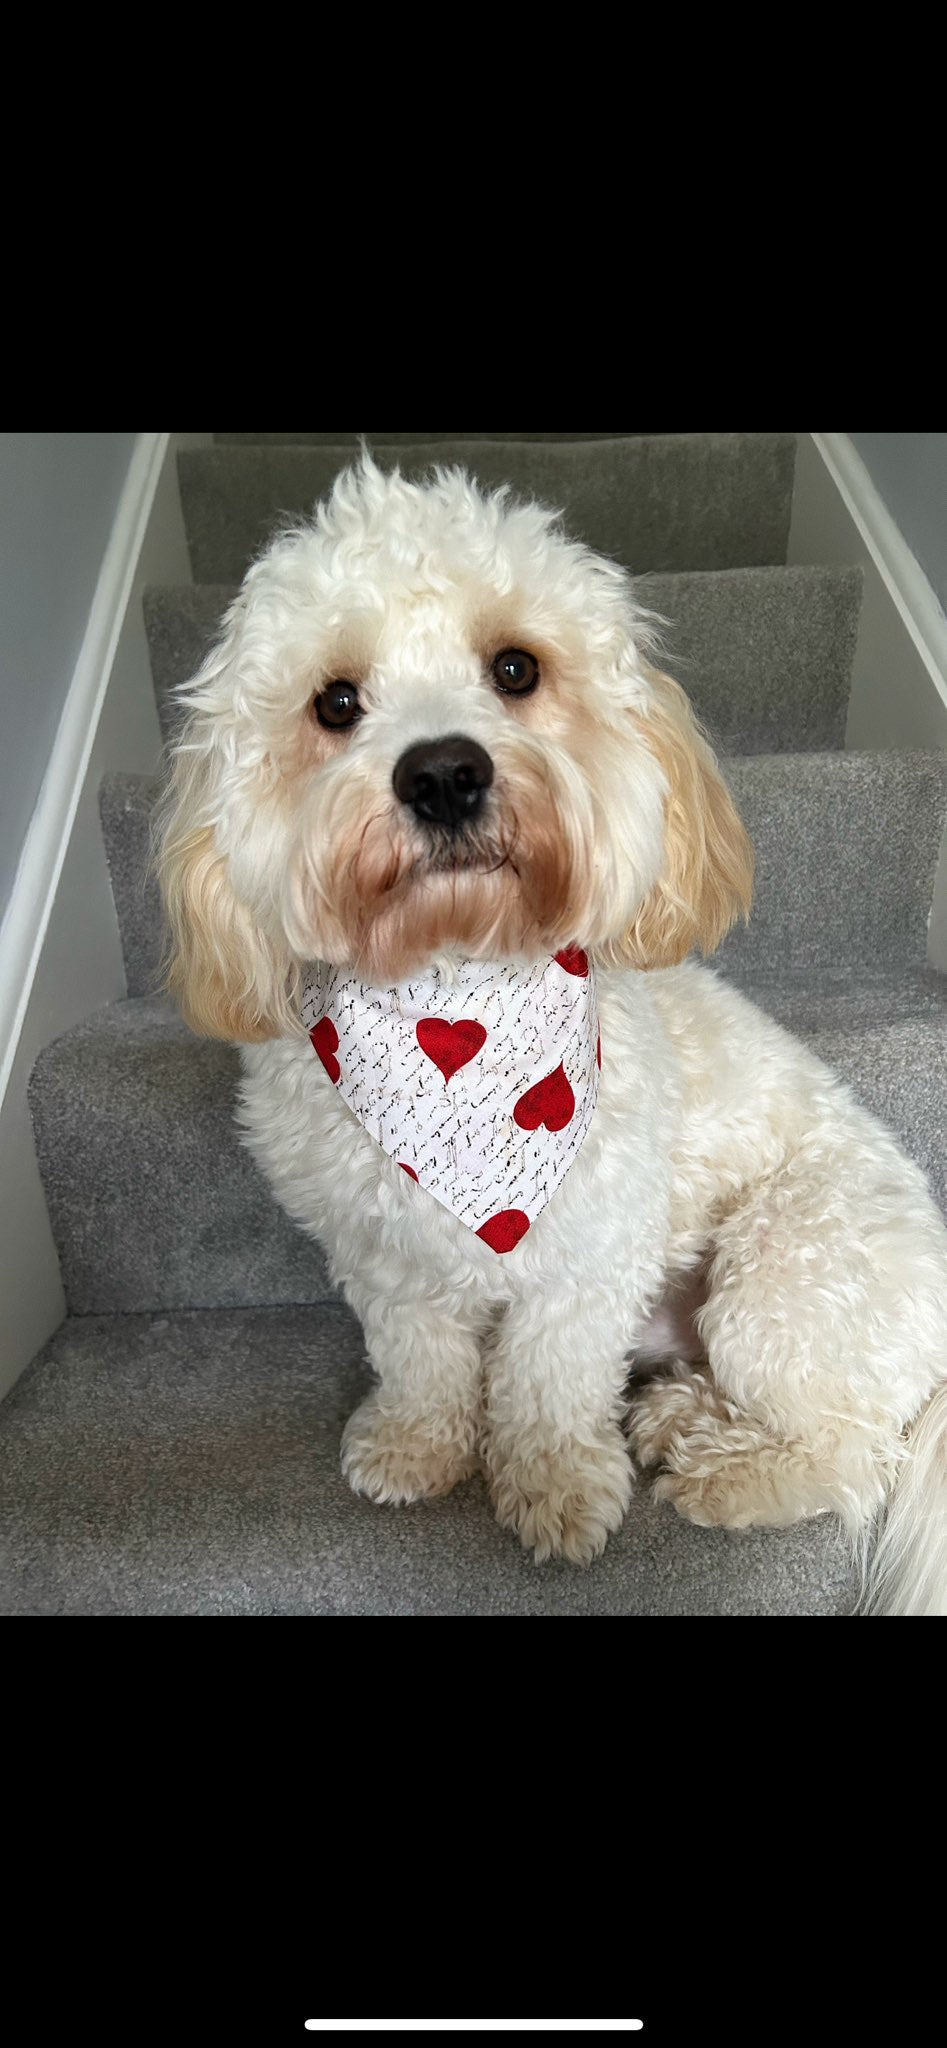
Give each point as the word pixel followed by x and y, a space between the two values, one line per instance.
pixel 391 1459
pixel 563 1503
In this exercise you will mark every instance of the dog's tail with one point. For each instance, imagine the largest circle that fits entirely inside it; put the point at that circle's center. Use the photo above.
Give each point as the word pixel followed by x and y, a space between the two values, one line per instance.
pixel 907 1573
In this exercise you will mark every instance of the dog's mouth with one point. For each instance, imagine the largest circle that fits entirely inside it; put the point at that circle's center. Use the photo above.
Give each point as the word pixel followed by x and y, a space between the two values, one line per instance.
pixel 401 891
pixel 464 853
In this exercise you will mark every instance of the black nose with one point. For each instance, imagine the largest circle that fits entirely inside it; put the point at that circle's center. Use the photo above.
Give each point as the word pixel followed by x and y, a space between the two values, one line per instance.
pixel 443 781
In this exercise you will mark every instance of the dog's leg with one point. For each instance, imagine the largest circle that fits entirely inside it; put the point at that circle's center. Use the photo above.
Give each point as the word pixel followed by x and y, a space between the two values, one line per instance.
pixel 823 1334
pixel 416 1434
pixel 558 1465
pixel 722 1464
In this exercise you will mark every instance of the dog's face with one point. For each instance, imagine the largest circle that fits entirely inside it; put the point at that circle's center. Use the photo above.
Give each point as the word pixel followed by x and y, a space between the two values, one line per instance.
pixel 431 727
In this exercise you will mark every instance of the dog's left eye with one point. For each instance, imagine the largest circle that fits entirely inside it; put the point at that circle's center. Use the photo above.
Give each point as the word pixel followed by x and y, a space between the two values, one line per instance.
pixel 337 705
pixel 515 672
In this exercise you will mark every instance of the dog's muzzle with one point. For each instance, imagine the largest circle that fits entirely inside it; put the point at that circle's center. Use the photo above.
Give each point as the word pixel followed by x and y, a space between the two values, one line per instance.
pixel 444 781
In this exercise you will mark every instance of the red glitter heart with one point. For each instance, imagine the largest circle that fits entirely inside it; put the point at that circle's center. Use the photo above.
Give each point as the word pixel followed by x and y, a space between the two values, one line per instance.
pixel 450 1046
pixel 325 1039
pixel 551 1102
pixel 574 961
pixel 504 1231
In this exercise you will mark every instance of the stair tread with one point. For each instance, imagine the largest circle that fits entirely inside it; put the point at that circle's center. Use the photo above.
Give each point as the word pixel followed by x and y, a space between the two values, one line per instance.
pixel 202 1453
pixel 658 502
pixel 765 654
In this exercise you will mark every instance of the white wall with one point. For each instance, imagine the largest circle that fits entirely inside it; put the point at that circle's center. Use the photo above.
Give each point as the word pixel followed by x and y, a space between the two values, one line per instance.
pixel 910 471
pixel 58 498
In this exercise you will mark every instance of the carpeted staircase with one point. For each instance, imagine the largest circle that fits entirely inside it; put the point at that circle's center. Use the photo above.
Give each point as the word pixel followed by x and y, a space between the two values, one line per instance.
pixel 174 1449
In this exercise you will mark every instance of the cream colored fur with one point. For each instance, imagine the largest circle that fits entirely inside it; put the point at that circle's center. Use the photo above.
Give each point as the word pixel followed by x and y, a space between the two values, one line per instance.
pixel 720 1147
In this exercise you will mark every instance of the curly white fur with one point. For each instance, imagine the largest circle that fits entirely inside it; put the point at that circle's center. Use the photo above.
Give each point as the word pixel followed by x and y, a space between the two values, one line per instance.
pixel 722 1154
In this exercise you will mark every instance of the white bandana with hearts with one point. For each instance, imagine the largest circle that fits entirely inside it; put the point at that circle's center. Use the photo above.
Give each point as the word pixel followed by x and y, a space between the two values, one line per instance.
pixel 480 1084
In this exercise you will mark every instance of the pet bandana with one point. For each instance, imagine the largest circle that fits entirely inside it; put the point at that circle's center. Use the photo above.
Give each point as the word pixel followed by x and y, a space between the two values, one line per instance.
pixel 480 1081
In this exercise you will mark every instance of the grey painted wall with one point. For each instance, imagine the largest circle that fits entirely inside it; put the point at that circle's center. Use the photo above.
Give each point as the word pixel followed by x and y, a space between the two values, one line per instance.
pixel 910 471
pixel 58 497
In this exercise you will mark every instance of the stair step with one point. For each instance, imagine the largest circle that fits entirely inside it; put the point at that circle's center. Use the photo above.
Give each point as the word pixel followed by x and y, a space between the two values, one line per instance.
pixel 888 1039
pixel 846 847
pixel 155 1204
pixel 153 1201
pixel 181 624
pixel 764 654
pixel 846 851
pixel 126 805
pixel 662 502
pixel 201 1463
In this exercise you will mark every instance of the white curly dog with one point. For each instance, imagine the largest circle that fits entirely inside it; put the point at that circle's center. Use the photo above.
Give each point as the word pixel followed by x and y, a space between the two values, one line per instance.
pixel 430 752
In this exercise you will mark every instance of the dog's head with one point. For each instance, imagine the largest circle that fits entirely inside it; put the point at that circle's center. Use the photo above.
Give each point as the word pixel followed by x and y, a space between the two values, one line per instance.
pixel 431 726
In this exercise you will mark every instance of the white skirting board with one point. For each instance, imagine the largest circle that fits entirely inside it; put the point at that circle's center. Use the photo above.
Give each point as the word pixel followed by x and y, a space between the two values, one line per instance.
pixel 899 677
pixel 60 956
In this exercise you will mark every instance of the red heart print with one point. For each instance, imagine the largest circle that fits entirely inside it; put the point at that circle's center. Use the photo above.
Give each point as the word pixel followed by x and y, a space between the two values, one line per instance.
pixel 504 1231
pixel 574 961
pixel 325 1039
pixel 551 1102
pixel 407 1169
pixel 450 1046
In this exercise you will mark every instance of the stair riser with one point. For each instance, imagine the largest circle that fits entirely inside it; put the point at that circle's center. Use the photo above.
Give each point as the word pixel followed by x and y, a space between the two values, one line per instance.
pixel 846 852
pixel 682 501
pixel 153 1201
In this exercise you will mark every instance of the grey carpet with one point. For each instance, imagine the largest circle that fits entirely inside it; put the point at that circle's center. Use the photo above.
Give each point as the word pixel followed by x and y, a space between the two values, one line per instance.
pixel 846 849
pixel 153 1202
pixel 189 1464
pixel 764 654
pixel 674 501
pixel 181 623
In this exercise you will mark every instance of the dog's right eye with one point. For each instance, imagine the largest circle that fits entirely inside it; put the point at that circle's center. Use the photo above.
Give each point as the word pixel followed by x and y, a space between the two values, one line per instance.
pixel 337 705
pixel 515 672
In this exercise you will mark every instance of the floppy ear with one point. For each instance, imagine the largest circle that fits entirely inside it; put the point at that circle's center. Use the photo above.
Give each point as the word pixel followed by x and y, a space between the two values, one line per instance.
pixel 707 881
pixel 229 978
